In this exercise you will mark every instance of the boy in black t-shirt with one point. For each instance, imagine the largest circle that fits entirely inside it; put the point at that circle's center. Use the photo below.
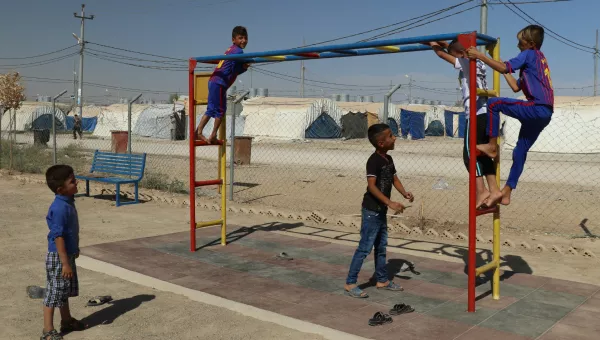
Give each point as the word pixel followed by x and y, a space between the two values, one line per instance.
pixel 381 176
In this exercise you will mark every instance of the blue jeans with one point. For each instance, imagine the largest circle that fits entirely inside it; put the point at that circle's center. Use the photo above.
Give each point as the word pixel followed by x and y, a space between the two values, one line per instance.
pixel 373 233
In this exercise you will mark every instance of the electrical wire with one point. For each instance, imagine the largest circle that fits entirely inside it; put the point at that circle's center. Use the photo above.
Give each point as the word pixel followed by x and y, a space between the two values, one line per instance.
pixel 39 55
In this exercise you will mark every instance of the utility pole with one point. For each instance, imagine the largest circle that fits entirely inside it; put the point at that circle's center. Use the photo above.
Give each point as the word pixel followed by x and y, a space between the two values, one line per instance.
pixel 302 73
pixel 74 99
pixel 81 41
pixel 596 66
pixel 483 21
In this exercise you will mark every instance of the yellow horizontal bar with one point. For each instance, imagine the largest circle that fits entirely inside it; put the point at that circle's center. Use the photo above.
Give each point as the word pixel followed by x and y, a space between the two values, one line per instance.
pixel 487 267
pixel 201 102
pixel 486 93
pixel 276 57
pixel 208 224
pixel 389 48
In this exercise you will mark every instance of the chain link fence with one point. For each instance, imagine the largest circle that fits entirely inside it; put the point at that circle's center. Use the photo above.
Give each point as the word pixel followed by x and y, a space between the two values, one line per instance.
pixel 310 154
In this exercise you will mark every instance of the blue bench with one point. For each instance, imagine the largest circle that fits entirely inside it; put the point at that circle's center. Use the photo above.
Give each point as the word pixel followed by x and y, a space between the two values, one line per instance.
pixel 116 168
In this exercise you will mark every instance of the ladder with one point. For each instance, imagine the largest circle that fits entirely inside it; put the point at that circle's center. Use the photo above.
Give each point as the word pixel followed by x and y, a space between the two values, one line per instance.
pixel 220 181
pixel 469 40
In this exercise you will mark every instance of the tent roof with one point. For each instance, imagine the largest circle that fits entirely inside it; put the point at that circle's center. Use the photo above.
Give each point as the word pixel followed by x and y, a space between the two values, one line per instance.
pixel 362 107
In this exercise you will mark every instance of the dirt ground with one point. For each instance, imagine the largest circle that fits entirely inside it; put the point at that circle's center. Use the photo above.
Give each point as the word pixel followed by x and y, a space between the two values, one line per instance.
pixel 23 246
pixel 141 312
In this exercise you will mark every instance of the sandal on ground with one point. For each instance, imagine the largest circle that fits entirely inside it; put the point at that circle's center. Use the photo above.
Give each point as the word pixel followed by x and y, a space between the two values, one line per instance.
pixel 357 293
pixel 99 300
pixel 380 319
pixel 52 335
pixel 401 309
pixel 72 325
pixel 284 256
pixel 392 286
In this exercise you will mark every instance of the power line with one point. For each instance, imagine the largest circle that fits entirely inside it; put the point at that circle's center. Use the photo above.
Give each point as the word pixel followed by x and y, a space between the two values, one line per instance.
pixel 97 85
pixel 136 52
pixel 552 34
pixel 322 82
pixel 39 63
pixel 39 55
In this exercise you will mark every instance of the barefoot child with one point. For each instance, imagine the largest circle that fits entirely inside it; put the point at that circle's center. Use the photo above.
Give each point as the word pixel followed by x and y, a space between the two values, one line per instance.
pixel 63 249
pixel 222 78
pixel 457 57
pixel 381 175
pixel 534 114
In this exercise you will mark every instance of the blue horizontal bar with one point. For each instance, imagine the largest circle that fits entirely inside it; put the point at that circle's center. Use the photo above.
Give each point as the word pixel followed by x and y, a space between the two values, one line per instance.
pixel 482 40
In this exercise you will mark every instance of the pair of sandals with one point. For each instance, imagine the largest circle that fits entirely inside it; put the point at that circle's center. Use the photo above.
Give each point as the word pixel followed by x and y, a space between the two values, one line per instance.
pixel 72 326
pixel 360 294
pixel 381 319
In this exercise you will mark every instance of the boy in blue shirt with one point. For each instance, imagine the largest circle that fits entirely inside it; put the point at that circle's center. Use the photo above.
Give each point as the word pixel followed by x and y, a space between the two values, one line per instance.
pixel 381 176
pixel 534 114
pixel 63 249
pixel 220 80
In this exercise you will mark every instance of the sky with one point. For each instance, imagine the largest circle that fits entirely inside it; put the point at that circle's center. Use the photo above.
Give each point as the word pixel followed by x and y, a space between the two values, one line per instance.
pixel 193 28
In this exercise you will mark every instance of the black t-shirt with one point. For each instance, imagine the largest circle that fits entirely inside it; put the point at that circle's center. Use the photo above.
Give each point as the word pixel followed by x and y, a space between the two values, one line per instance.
pixel 382 167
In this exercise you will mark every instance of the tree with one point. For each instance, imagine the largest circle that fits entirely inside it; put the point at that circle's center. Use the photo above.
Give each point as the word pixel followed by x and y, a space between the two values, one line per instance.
pixel 12 94
pixel 173 98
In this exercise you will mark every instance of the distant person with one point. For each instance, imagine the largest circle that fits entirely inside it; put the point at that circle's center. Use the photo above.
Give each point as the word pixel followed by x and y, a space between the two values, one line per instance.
pixel 534 114
pixel 381 176
pixel 220 81
pixel 456 55
pixel 77 127
pixel 63 248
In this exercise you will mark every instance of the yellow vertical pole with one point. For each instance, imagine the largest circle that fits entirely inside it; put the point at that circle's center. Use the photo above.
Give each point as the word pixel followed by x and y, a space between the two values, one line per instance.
pixel 496 251
pixel 223 177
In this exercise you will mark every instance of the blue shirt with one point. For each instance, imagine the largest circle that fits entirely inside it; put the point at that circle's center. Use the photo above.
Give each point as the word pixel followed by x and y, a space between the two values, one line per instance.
pixel 63 222
pixel 228 70
pixel 534 77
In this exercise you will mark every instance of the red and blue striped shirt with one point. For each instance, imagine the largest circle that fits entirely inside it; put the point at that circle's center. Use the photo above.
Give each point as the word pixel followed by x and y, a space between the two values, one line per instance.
pixel 534 76
pixel 228 70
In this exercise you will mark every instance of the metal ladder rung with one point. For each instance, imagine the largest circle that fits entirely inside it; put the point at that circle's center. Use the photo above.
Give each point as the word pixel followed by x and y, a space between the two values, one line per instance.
pixel 203 143
pixel 208 182
pixel 208 223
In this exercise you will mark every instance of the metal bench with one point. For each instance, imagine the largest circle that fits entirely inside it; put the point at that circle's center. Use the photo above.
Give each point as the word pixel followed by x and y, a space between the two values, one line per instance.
pixel 116 168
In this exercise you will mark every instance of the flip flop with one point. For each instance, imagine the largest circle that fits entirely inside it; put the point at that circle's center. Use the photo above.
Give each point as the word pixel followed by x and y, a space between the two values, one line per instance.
pixel 401 309
pixel 99 300
pixel 392 286
pixel 380 319
pixel 284 256
pixel 357 293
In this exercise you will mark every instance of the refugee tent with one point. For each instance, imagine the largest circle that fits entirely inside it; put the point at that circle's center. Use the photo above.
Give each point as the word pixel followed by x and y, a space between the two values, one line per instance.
pixel 357 117
pixel 34 115
pixel 115 117
pixel 574 128
pixel 157 121
pixel 291 118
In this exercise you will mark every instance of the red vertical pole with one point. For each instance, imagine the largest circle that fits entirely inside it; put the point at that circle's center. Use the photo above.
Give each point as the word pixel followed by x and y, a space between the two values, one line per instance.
pixel 470 40
pixel 192 139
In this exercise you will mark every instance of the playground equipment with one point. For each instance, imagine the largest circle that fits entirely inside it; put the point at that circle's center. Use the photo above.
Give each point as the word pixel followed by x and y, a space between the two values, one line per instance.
pixel 198 94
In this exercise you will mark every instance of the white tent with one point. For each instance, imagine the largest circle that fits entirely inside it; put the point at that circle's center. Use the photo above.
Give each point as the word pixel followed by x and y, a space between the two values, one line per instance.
pixel 34 115
pixel 114 117
pixel 89 111
pixel 574 128
pixel 156 121
pixel 286 118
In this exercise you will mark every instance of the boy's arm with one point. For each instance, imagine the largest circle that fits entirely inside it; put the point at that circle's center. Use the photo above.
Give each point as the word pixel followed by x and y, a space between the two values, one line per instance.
pixel 374 190
pixel 67 271
pixel 438 48
pixel 398 185
pixel 512 82
pixel 499 66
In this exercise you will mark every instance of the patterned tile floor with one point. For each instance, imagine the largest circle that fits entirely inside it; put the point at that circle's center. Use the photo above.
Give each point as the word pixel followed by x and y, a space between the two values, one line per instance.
pixel 309 287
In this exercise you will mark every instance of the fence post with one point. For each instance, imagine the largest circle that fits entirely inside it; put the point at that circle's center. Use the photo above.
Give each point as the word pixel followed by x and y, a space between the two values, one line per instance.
pixel 54 125
pixel 129 122
pixel 231 145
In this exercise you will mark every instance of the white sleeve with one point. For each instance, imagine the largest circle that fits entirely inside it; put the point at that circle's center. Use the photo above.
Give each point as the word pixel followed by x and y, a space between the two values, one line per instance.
pixel 457 65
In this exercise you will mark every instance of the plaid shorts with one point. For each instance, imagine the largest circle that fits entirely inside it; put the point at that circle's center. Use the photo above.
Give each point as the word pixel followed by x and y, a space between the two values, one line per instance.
pixel 59 289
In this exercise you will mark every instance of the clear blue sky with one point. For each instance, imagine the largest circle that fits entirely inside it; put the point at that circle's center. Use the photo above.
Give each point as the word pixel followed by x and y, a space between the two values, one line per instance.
pixel 185 28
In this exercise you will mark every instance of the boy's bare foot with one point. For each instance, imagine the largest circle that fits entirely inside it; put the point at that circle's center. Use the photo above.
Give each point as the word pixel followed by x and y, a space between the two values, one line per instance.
pixel 481 199
pixel 489 149
pixel 201 137
pixel 494 198
pixel 506 191
pixel 212 139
